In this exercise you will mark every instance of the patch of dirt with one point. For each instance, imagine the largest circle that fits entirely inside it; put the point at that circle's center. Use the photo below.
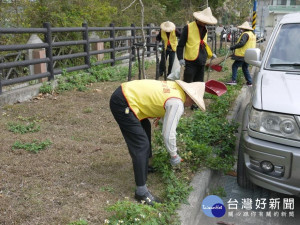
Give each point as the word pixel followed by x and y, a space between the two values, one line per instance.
pixel 86 168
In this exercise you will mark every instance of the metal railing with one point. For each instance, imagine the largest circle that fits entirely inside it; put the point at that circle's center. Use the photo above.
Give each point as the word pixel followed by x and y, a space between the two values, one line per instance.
pixel 47 31
pixel 110 41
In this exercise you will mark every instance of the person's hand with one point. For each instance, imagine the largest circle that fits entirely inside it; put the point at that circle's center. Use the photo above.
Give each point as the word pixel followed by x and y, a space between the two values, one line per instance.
pixel 182 62
pixel 175 160
pixel 214 56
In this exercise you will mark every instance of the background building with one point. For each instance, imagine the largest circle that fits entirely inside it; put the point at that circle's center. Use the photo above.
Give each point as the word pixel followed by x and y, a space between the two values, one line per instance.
pixel 274 10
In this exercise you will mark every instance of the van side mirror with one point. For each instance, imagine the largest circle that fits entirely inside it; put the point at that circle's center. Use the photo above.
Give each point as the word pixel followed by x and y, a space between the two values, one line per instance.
pixel 252 56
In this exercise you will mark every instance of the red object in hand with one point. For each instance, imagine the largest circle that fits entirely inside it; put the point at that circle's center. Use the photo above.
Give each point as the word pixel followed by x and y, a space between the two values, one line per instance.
pixel 217 68
pixel 215 87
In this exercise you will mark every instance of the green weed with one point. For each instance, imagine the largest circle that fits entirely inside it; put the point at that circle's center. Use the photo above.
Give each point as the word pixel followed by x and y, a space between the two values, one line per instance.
pixel 33 147
pixel 80 80
pixel 19 128
pixel 79 222
pixel 127 212
pixel 46 88
pixel 108 189
pixel 88 110
pixel 219 191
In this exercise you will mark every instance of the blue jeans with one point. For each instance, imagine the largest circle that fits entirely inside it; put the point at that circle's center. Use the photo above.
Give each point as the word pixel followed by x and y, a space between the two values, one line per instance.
pixel 244 66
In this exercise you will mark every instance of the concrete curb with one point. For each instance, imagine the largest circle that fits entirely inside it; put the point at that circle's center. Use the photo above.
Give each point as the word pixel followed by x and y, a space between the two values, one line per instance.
pixel 189 214
pixel 19 95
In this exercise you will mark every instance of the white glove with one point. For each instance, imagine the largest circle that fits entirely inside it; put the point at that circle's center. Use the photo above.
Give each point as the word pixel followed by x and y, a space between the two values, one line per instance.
pixel 182 62
pixel 175 160
pixel 214 56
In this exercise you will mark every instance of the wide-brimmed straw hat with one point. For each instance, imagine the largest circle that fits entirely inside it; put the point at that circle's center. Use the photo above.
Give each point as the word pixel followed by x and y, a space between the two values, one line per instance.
pixel 205 16
pixel 245 26
pixel 167 26
pixel 195 90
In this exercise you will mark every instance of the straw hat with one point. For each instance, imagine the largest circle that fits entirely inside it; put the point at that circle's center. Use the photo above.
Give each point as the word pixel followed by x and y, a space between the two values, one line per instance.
pixel 195 90
pixel 245 26
pixel 167 26
pixel 205 16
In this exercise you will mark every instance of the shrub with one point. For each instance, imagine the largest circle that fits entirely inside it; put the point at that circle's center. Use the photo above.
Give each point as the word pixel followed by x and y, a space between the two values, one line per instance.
pixel 46 88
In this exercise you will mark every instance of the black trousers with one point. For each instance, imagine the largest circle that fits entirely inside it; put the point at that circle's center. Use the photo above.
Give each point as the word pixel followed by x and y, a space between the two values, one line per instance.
pixel 137 135
pixel 162 64
pixel 193 72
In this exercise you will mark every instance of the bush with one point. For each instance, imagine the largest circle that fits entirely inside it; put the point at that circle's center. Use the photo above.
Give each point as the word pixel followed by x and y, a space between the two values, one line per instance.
pixel 46 88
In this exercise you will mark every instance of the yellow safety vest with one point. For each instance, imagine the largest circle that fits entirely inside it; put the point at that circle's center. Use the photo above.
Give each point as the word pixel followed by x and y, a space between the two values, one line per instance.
pixel 147 98
pixel 172 39
pixel 251 43
pixel 192 46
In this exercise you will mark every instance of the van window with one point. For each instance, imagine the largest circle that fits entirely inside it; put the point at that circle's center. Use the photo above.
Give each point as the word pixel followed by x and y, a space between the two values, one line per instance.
pixel 285 51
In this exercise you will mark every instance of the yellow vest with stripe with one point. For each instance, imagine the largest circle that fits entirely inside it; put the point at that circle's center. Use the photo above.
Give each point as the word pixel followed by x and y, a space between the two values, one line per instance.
pixel 192 46
pixel 172 39
pixel 251 43
pixel 147 98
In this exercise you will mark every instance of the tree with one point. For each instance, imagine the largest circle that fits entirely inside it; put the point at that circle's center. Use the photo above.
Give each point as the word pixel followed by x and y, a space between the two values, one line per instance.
pixel 69 13
pixel 236 11
pixel 143 34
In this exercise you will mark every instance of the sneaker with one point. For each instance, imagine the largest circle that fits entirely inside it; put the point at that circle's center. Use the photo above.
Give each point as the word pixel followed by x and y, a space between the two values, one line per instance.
pixel 147 198
pixel 249 84
pixel 232 82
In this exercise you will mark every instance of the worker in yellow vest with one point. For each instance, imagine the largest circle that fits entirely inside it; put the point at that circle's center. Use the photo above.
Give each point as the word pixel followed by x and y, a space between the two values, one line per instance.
pixel 192 49
pixel 168 34
pixel 246 40
pixel 134 102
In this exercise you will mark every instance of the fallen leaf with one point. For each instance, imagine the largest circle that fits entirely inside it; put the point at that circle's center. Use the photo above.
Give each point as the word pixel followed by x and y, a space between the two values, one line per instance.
pixel 232 173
